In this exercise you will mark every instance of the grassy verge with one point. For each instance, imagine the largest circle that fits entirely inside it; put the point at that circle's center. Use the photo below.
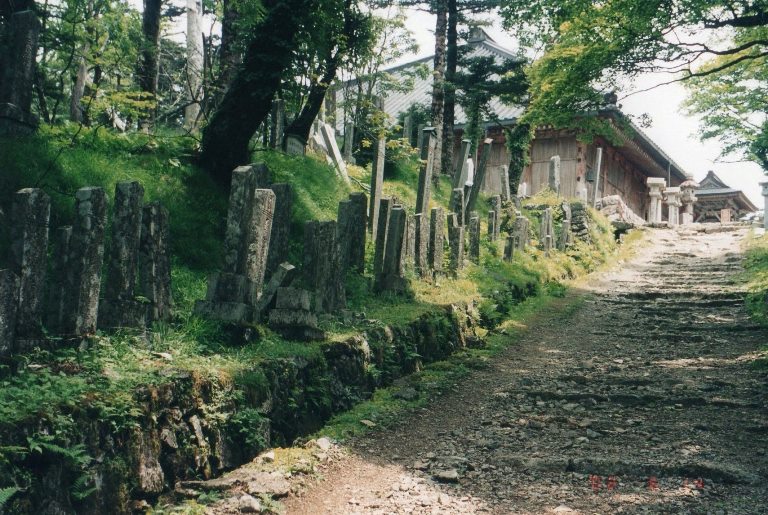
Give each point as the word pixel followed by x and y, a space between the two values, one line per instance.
pixel 756 277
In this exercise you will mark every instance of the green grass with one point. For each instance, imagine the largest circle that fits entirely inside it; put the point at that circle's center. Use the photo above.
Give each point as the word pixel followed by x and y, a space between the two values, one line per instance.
pixel 756 277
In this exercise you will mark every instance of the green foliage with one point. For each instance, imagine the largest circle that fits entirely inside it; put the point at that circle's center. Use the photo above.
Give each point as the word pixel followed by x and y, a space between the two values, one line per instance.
pixel 248 427
pixel 6 494
pixel 731 102
pixel 591 48
pixel 756 276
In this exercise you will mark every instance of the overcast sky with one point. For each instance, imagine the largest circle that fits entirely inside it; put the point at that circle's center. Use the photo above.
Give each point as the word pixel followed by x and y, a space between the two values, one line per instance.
pixel 674 132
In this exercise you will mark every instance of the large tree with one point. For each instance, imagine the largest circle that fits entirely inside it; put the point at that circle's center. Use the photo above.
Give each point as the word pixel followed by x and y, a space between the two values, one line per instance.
pixel 248 99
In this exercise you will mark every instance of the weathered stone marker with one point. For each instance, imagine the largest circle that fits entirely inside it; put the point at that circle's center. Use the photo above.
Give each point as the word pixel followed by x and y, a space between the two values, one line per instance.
pixel 520 231
pixel 29 252
pixel 377 183
pixel 425 174
pixel 277 123
pixel 86 255
pixel 546 230
pixel 496 206
pixel 436 240
pixel 233 292
pixel 9 301
pixel 155 261
pixel 333 150
pixel 119 307
pixel 292 316
pixel 505 191
pixel 474 237
pixel 295 146
pixel 281 278
pixel 479 175
pixel 509 247
pixel 17 72
pixel 456 240
pixel 421 242
pixel 458 204
pixel 554 174
pixel 492 225
pixel 351 229
pixel 460 174
pixel 391 277
pixel 322 266
pixel 57 289
pixel 565 236
pixel 279 237
pixel 385 208
pixel 407 128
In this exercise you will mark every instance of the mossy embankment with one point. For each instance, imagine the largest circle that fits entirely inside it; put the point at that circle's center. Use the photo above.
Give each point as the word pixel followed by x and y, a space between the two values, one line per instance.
pixel 123 417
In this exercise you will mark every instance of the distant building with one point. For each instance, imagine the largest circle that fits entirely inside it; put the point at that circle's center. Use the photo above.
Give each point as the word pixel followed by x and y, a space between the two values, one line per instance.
pixel 714 196
pixel 624 169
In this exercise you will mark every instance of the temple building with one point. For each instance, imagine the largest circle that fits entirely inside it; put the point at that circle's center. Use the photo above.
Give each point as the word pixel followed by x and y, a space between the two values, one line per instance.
pixel 718 202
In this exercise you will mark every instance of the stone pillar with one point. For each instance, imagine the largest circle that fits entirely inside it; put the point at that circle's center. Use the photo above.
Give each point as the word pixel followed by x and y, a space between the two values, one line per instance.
pixel 764 187
pixel 17 72
pixel 565 235
pixel 86 256
pixel 655 185
pixel 456 240
pixel 351 230
pixel 425 174
pixel 506 194
pixel 491 225
pixel 688 197
pixel 377 182
pixel 546 230
pixel 349 141
pixel 436 237
pixel 278 123
pixel 479 174
pixel 322 266
pixel 155 261
pixel 9 301
pixel 233 292
pixel 119 308
pixel 420 137
pixel 673 205
pixel 385 209
pixel 421 250
pixel 279 237
pixel 29 255
pixel 460 175
pixel 474 236
pixel 458 204
pixel 409 243
pixel 509 247
pixel 554 174
pixel 496 206
pixel 407 129
pixel 391 277
pixel 57 287
pixel 520 231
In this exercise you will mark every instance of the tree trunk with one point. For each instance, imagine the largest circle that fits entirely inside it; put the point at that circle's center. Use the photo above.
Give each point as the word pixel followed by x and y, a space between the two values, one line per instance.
pixel 194 75
pixel 302 124
pixel 438 92
pixel 78 89
pixel 149 62
pixel 248 100
pixel 229 57
pixel 449 104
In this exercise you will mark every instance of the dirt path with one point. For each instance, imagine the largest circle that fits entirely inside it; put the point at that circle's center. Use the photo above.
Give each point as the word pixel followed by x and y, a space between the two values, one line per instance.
pixel 643 401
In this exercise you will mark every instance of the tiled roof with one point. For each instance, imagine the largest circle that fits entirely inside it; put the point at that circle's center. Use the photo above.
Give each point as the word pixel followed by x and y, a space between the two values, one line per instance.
pixel 421 93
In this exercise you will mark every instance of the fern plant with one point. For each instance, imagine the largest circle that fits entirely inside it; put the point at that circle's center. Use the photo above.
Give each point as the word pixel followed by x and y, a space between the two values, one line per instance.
pixel 6 494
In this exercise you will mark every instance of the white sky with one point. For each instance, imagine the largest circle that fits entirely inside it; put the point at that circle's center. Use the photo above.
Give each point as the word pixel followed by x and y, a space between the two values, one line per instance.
pixel 674 132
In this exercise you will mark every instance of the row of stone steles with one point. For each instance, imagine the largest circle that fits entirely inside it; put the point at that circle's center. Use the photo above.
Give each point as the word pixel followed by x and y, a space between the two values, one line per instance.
pixel 36 304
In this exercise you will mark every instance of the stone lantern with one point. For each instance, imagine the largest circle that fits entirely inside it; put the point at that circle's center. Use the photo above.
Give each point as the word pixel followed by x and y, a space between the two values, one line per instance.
pixel 688 196
pixel 656 185
pixel 672 197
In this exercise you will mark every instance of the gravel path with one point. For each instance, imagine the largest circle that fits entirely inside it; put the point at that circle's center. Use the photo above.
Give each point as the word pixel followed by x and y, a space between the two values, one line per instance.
pixel 642 401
